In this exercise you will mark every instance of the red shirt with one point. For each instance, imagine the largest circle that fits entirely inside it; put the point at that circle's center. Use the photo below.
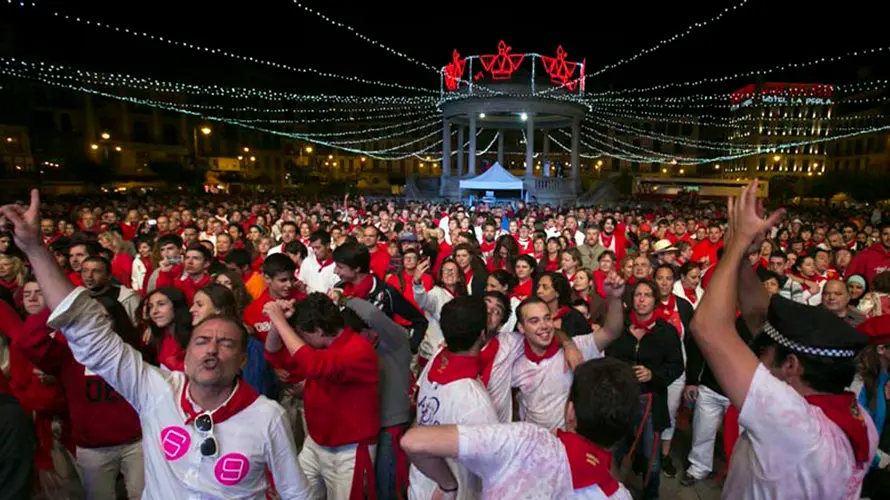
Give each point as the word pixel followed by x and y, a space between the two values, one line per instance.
pixel 184 284
pixel 380 261
pixel 342 405
pixel 122 268
pixel 100 416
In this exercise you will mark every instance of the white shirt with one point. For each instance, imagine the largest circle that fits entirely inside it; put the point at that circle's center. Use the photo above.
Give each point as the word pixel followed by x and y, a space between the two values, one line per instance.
pixel 317 279
pixel 544 387
pixel 256 438
pixel 790 450
pixel 431 303
pixel 510 325
pixel 462 402
pixel 522 461
pixel 509 346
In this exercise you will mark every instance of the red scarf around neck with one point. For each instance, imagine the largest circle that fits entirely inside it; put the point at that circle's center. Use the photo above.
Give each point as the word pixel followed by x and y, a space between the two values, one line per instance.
pixel 590 464
pixel 326 263
pixel 448 367
pixel 843 410
pixel 359 290
pixel 486 359
pixel 645 325
pixel 532 356
pixel 669 312
pixel 560 313
pixel 691 294
pixel 242 397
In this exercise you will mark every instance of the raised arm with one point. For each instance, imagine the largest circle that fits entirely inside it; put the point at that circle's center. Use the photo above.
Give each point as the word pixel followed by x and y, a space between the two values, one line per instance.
pixel 753 299
pixel 80 318
pixel 614 325
pixel 713 326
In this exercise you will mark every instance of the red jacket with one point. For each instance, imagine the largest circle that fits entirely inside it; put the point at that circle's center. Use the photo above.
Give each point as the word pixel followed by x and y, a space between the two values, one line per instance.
pixel 870 262
pixel 341 401
pixel 184 284
pixel 122 269
pixel 99 415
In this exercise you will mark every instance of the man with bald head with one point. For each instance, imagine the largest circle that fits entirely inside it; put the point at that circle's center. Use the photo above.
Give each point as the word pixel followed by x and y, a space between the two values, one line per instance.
pixel 204 433
pixel 836 298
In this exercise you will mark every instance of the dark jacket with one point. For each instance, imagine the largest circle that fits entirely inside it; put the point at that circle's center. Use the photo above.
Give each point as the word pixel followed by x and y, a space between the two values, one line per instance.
pixel 697 370
pixel 389 300
pixel 659 350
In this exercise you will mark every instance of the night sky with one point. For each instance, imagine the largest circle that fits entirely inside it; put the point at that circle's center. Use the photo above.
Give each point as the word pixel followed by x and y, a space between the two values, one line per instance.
pixel 759 34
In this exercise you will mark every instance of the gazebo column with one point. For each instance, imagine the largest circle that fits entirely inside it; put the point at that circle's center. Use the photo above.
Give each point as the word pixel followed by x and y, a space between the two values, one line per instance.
pixel 446 155
pixel 530 146
pixel 576 148
pixel 545 161
pixel 501 147
pixel 460 150
pixel 471 153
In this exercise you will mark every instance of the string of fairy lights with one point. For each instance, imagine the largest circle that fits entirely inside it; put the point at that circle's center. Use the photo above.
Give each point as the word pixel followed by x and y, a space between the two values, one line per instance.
pixel 397 127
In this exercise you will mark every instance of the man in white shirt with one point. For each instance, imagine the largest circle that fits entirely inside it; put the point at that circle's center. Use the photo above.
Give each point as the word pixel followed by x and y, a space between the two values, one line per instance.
pixel 450 391
pixel 204 434
pixel 805 436
pixel 539 374
pixel 317 270
pixel 288 234
pixel 523 460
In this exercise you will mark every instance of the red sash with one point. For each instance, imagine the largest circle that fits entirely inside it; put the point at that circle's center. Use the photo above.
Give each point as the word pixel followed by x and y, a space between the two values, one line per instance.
pixel 843 410
pixel 590 464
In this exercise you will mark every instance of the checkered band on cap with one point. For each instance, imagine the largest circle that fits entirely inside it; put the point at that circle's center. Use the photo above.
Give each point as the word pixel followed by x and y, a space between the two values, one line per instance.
pixel 803 349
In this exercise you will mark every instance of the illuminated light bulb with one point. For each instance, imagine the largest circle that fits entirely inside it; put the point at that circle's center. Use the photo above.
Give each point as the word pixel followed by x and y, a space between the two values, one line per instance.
pixel 523 116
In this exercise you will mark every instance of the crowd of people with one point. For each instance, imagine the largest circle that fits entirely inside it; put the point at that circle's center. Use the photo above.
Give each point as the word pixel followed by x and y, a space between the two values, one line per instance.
pixel 238 348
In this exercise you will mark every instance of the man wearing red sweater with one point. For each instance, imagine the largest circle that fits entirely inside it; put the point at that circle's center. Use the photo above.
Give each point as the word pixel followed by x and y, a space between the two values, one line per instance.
pixel 379 252
pixel 342 405
pixel 191 275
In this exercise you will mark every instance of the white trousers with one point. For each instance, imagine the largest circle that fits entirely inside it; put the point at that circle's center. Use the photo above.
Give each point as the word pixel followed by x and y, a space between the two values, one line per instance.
pixel 675 397
pixel 99 468
pixel 710 407
pixel 329 471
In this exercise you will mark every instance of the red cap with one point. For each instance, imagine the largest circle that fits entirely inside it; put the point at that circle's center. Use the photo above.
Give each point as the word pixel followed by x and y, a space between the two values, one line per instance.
pixel 877 329
pixel 646 228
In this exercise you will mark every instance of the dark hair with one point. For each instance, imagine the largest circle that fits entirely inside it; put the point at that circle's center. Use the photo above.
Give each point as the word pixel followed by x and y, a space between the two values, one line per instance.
pixel 689 266
pixel 182 318
pixel 504 278
pixel 831 375
pixel 463 321
pixel 222 298
pixel 505 303
pixel 606 396
pixel 296 248
pixel 238 256
pixel 205 253
pixel 121 324
pixel 560 284
pixel 101 260
pixel 320 236
pixel 278 263
pixel 525 303
pixel 353 256
pixel 170 239
pixel 317 312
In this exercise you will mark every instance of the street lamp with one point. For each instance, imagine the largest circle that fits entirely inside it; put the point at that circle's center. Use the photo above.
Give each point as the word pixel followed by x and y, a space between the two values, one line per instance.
pixel 308 149
pixel 206 130
pixel 105 136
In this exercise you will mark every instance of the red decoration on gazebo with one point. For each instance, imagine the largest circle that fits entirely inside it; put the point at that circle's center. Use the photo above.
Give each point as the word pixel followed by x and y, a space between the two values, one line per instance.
pixel 454 71
pixel 559 69
pixel 502 65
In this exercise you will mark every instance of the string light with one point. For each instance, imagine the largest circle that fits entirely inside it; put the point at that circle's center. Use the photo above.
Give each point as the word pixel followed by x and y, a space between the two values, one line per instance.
pixel 336 119
pixel 209 50
pixel 401 133
pixel 291 110
pixel 747 74
pixel 118 80
pixel 365 38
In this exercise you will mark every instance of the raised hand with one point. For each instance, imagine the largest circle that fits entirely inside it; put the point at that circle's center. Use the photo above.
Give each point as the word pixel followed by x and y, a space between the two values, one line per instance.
pixel 614 286
pixel 23 223
pixel 746 221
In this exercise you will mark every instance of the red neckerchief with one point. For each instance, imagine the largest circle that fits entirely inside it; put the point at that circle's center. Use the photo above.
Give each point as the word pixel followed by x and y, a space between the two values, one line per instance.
pixel 560 313
pixel 326 263
pixel 590 464
pixel 360 290
pixel 449 292
pixel 486 359
pixel 570 277
pixel 487 246
pixel 523 290
pixel 690 294
pixel 670 313
pixel 242 397
pixel 606 239
pixel 645 325
pixel 468 275
pixel 9 285
pixel 532 356
pixel 843 410
pixel 448 367
pixel 551 265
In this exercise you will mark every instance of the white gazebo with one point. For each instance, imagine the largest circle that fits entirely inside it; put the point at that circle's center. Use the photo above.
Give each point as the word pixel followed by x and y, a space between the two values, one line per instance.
pixel 496 178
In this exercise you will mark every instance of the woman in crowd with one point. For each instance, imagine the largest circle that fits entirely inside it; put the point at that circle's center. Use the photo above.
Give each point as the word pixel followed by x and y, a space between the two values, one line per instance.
pixel 169 327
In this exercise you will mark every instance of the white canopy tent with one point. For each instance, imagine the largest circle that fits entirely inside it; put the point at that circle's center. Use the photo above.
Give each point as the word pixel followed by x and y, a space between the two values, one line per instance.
pixel 495 178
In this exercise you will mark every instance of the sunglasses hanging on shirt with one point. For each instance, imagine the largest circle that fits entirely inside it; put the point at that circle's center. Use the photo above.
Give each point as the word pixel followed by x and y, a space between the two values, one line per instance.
pixel 204 425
